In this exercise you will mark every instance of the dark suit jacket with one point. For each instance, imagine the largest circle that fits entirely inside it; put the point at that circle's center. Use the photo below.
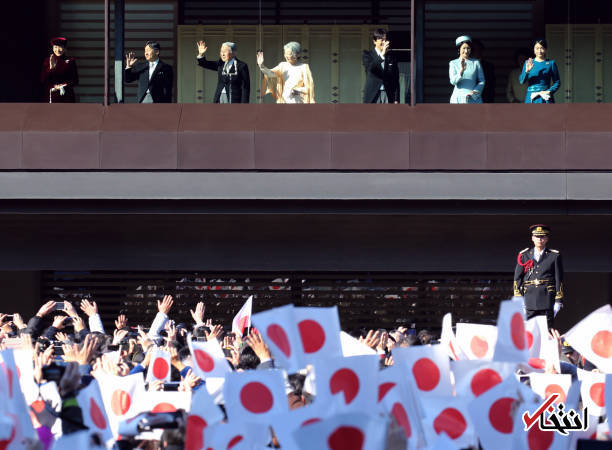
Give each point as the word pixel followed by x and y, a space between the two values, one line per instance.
pixel 549 268
pixel 376 77
pixel 160 84
pixel 237 84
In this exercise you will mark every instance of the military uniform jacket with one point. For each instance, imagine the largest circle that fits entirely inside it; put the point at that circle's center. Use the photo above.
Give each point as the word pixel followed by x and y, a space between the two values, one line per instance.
pixel 540 282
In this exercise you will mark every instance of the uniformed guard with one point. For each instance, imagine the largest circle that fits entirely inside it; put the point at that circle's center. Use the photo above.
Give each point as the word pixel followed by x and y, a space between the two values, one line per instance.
pixel 539 276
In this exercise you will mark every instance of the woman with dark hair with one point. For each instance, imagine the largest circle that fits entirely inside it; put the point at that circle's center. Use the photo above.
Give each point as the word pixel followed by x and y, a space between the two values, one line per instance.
pixel 541 75
pixel 59 74
pixel 466 74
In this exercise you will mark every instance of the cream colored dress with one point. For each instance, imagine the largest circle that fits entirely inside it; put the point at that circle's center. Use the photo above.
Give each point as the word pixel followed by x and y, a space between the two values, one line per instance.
pixel 282 80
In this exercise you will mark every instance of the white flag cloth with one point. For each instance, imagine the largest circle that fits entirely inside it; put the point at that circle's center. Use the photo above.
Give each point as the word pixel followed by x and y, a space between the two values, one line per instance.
pixel 351 378
pixel 92 409
pixel 473 378
pixel 165 401
pixel 352 346
pixel 492 414
pixel 428 368
pixel 343 431
pixel 159 367
pixel 237 436
pixel 278 328
pixel 79 440
pixel 405 413
pixel 546 384
pixel 286 424
pixel 319 333
pixel 242 320
pixel 477 341
pixel 511 343
pixel 208 359
pixel 255 395
pixel 449 341
pixel 536 330
pixel 203 413
pixel 592 338
pixel 120 396
pixel 535 438
pixel 448 415
pixel 13 403
pixel 592 390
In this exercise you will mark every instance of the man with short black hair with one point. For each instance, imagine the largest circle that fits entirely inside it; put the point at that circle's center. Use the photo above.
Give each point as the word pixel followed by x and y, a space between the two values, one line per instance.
pixel 155 77
pixel 539 276
pixel 382 73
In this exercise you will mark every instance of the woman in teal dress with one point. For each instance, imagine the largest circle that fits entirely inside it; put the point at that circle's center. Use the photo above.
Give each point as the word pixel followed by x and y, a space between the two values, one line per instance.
pixel 541 76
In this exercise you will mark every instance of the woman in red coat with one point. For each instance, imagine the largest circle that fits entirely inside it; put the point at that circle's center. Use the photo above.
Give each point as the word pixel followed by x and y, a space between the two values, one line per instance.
pixel 59 74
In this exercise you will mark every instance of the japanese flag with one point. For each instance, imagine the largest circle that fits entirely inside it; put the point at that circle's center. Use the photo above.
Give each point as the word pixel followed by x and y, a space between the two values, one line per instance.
pixel 546 384
pixel 278 329
pixel 165 401
pixel 428 368
pixel 535 438
pixel 120 396
pixel 492 414
pixel 404 412
pixel 448 415
pixel 351 378
pixel 536 330
pixel 511 343
pixel 355 431
pixel 92 409
pixel 477 341
pixel 208 359
pixel 238 436
pixel 25 371
pixel 203 414
pixel 592 390
pixel 254 396
pixel 286 424
pixel 159 367
pixel 242 320
pixel 13 403
pixel 473 378
pixel 448 339
pixel 592 337
pixel 319 333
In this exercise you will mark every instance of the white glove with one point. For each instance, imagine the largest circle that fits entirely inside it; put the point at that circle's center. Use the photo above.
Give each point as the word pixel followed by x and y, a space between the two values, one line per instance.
pixel 557 308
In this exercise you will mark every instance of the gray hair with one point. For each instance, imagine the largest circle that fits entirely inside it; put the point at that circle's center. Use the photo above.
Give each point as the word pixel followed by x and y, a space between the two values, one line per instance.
pixel 293 47
pixel 231 46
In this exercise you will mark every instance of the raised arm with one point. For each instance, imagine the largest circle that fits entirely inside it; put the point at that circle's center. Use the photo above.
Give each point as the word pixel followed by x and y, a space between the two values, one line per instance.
pixel 260 62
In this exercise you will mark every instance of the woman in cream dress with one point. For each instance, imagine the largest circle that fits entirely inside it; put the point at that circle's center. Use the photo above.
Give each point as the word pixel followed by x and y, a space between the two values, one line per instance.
pixel 291 80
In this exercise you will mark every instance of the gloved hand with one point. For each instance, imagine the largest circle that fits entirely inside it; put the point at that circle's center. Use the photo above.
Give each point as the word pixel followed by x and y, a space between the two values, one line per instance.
pixel 557 308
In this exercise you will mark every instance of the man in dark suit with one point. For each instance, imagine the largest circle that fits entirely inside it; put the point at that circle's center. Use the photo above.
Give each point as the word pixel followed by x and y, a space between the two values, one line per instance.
pixel 539 276
pixel 155 77
pixel 234 84
pixel 382 73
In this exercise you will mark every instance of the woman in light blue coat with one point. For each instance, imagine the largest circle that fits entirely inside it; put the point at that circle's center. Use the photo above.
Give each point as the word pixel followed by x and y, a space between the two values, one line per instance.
pixel 466 74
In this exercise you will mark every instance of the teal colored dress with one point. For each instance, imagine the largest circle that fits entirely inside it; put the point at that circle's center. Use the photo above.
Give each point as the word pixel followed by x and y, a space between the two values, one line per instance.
pixel 543 77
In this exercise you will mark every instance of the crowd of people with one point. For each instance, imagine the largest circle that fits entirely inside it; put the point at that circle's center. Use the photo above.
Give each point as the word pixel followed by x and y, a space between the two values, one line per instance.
pixel 291 81
pixel 72 351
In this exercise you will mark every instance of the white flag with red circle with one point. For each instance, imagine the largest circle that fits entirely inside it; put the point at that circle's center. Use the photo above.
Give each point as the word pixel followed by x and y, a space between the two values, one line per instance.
pixel 592 338
pixel 511 342
pixel 404 411
pixel 535 438
pixel 120 396
pixel 448 415
pixel 473 378
pixel 449 341
pixel 476 340
pixel 351 379
pixel 159 367
pixel 592 390
pixel 546 384
pixel 319 333
pixel 13 403
pixel 492 414
pixel 428 368
pixel 536 329
pixel 285 424
pixel 208 359
pixel 255 395
pixel 242 319
pixel 237 436
pixel 203 414
pixel 166 401
pixel 355 431
pixel 93 411
pixel 278 328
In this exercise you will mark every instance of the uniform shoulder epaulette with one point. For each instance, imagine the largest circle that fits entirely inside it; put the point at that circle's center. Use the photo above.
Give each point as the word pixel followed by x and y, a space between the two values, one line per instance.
pixel 554 251
pixel 524 250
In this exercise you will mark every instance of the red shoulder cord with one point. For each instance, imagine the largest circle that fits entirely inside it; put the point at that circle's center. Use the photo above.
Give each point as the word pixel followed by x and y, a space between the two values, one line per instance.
pixel 527 265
